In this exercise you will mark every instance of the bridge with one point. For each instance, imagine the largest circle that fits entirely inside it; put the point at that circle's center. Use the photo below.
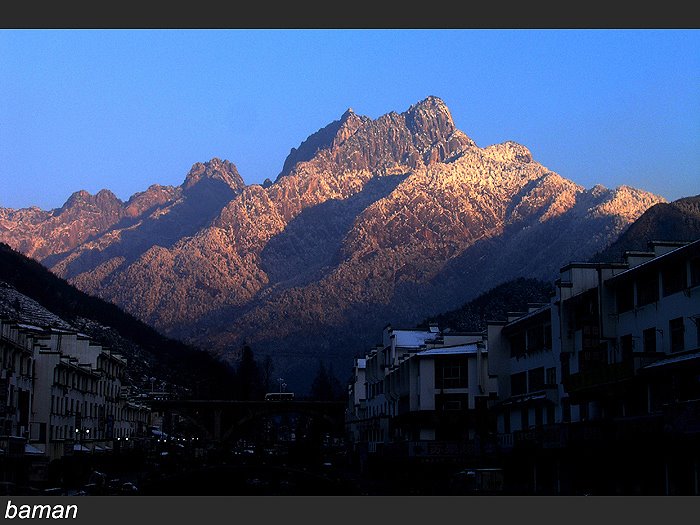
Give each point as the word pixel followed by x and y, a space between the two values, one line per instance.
pixel 219 420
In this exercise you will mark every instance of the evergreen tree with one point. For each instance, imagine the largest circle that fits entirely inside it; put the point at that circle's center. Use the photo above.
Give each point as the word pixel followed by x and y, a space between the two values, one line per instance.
pixel 249 384
pixel 267 370
pixel 325 386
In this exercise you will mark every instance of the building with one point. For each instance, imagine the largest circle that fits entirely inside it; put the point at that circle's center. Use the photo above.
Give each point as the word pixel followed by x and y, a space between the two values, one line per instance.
pixel 598 389
pixel 356 410
pixel 60 396
pixel 426 393
pixel 639 388
pixel 595 392
pixel 16 386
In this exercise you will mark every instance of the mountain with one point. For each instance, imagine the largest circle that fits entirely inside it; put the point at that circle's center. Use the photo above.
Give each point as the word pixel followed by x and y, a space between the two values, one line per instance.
pixel 677 221
pixel 31 294
pixel 369 221
pixel 495 304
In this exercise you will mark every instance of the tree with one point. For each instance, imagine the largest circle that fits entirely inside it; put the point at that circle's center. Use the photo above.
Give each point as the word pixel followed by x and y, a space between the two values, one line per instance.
pixel 249 384
pixel 325 386
pixel 267 370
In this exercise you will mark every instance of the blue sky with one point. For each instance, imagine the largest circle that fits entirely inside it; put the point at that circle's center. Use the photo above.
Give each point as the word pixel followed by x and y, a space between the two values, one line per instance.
pixel 124 109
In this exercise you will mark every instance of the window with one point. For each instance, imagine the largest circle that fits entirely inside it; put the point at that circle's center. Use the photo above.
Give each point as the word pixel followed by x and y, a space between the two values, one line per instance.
pixel 584 310
pixel 506 421
pixel 538 416
pixel 565 370
pixel 451 373
pixel 518 384
pixel 535 338
pixel 566 410
pixel 647 288
pixel 625 297
pixel 551 376
pixel 649 340
pixel 677 331
pixel 524 419
pixel 535 378
pixel 583 411
pixel 550 414
pixel 673 278
pixel 626 346
pixel 548 335
pixel 694 271
pixel 517 344
pixel 453 404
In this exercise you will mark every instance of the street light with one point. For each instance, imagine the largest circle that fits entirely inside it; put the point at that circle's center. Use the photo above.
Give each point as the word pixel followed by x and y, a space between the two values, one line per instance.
pixel 85 432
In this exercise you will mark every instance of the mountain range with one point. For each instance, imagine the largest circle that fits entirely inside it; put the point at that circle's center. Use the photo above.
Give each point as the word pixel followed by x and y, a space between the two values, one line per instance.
pixel 369 222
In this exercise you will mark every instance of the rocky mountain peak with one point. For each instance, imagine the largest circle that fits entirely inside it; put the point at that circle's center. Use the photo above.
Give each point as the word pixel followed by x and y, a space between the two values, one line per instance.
pixel 328 137
pixel 509 151
pixel 217 170
pixel 431 105
pixel 76 198
pixel 103 199
pixel 430 117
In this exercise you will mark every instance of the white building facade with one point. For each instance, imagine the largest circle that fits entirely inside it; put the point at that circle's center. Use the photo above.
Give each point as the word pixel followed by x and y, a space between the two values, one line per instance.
pixel 60 393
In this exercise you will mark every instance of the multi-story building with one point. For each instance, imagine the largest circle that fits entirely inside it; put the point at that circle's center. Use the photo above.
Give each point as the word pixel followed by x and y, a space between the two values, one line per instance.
pixel 60 394
pixel 597 389
pixel 637 397
pixel 355 412
pixel 527 367
pixel 16 382
pixel 426 393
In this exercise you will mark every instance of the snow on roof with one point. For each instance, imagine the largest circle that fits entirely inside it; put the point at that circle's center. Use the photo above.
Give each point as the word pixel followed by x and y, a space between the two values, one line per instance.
pixel 61 331
pixel 450 350
pixel 411 338
pixel 30 327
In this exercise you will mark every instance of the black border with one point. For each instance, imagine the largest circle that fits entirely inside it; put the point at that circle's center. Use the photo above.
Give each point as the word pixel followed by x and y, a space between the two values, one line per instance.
pixel 365 510
pixel 208 14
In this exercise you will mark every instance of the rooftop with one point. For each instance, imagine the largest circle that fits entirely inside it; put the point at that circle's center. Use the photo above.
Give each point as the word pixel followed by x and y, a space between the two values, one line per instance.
pixel 659 259
pixel 452 350
pixel 411 338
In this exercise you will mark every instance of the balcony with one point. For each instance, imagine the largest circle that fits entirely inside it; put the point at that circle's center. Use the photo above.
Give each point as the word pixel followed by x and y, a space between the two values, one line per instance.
pixel 546 436
pixel 505 441
pixel 431 449
pixel 682 418
pixel 607 374
pixel 601 375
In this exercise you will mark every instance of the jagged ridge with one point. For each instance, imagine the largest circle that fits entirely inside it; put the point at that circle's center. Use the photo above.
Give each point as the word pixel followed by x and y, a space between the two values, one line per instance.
pixel 371 220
